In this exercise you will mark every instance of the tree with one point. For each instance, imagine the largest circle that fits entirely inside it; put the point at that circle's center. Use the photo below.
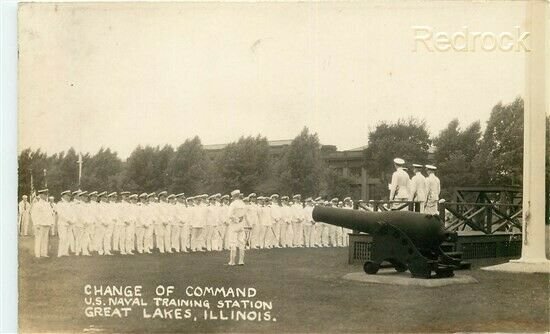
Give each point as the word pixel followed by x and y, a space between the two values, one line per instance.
pixel 454 153
pixel 34 163
pixel 140 170
pixel 188 167
pixel 243 164
pixel 407 139
pixel 501 153
pixel 162 158
pixel 302 168
pixel 99 170
pixel 336 185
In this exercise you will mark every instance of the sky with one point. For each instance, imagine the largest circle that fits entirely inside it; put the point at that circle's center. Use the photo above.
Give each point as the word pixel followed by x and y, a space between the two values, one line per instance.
pixel 122 75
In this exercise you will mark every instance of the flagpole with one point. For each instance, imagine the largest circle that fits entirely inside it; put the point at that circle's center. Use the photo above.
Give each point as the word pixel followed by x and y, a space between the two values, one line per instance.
pixel 79 162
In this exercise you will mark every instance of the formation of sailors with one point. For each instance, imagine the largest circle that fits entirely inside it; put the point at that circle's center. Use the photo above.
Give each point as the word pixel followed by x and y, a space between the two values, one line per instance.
pixel 90 223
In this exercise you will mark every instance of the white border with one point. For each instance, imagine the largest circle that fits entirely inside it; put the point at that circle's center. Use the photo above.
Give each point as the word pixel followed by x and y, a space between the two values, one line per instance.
pixel 8 166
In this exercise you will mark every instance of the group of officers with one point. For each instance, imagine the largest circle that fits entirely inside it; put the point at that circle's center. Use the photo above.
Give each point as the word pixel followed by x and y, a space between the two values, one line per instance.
pixel 422 189
pixel 102 223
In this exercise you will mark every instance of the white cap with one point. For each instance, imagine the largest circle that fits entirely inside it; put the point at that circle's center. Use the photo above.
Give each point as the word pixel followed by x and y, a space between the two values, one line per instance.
pixel 235 192
pixel 398 161
pixel 431 167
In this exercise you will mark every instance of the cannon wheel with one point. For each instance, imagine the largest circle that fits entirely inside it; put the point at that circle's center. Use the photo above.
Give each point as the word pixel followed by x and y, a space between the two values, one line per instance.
pixel 371 267
pixel 399 267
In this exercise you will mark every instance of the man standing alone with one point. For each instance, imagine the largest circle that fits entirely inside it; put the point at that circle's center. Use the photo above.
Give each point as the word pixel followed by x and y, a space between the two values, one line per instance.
pixel 236 238
pixel 42 217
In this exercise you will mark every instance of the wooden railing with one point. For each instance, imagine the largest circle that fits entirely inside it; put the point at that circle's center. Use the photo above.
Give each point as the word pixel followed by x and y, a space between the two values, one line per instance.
pixel 459 216
pixel 389 205
pixel 485 217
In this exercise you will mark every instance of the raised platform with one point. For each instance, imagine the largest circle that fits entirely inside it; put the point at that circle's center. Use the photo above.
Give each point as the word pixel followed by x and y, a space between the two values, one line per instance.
pixel 520 266
pixel 391 277
pixel 472 245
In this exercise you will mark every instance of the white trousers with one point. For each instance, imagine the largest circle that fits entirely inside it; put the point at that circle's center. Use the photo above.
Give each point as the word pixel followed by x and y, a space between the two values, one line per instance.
pixel 175 236
pixel 197 240
pixel 63 246
pixel 185 237
pixel 298 234
pixel 159 236
pixel 167 237
pixel 41 238
pixel 308 235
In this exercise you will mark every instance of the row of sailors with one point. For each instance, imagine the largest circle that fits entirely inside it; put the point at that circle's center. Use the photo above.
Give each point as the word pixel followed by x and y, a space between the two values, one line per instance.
pixel 102 222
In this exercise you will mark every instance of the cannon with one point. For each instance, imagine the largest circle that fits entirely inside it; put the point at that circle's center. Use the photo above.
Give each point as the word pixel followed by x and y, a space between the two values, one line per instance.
pixel 404 240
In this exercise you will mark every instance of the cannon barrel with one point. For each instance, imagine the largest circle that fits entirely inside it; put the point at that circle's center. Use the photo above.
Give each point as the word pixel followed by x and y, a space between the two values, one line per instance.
pixel 425 231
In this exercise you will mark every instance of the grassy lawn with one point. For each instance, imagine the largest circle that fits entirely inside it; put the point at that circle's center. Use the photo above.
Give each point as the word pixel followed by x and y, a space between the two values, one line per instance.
pixel 305 287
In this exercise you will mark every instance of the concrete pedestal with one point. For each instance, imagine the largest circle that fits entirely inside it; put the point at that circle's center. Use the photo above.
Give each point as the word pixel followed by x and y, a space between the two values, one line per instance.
pixel 391 277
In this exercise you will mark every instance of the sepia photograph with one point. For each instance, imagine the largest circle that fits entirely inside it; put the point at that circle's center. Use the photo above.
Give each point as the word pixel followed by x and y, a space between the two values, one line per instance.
pixel 283 167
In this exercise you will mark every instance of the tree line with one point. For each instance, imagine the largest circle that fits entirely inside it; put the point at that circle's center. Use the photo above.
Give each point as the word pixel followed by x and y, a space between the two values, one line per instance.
pixel 465 156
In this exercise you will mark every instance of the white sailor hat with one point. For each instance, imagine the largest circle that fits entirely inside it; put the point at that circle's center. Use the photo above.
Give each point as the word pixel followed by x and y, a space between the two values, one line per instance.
pixel 76 192
pixel 318 199
pixel 93 193
pixel 113 194
pixel 163 193
pixel 284 198
pixel 335 199
pixel 180 195
pixel 217 195
pixel 133 196
pixel 83 193
pixel 225 196
pixel 347 199
pixel 252 195
pixel 417 166
pixel 63 193
pixel 398 161
pixel 143 195
pixel 152 195
pixel 246 199
pixel 124 193
pixel 274 196
pixel 42 191
pixel 235 192
pixel 297 196
pixel 170 196
pixel 212 197
pixel 431 167
pixel 101 194
pixel 25 196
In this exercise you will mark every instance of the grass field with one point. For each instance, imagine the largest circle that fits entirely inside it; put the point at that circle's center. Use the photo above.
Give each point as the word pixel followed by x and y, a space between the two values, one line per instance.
pixel 305 287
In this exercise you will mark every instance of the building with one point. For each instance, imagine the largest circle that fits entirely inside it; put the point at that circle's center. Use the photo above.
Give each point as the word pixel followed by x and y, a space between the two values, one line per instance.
pixel 350 164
